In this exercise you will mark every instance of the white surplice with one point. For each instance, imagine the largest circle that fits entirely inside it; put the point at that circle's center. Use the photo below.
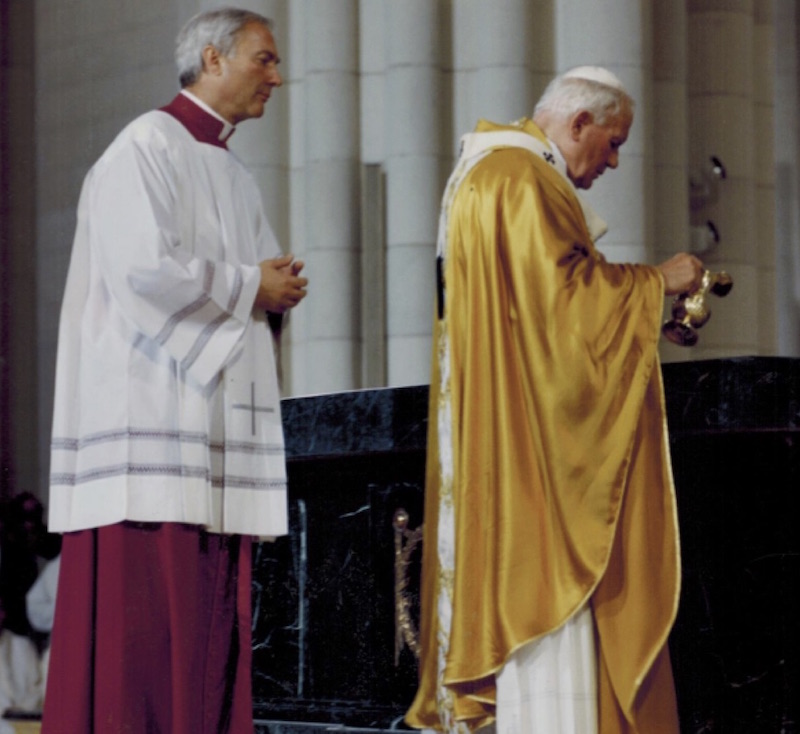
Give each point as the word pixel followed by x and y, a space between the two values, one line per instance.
pixel 167 402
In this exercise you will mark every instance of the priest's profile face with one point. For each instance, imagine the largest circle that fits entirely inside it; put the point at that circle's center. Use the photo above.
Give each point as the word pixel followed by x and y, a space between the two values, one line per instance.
pixel 249 74
pixel 597 147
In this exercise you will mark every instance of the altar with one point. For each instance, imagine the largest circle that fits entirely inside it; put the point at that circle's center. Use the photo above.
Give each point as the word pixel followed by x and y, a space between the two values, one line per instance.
pixel 335 602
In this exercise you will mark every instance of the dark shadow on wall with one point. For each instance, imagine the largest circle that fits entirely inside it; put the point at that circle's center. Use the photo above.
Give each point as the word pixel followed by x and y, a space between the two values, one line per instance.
pixel 18 288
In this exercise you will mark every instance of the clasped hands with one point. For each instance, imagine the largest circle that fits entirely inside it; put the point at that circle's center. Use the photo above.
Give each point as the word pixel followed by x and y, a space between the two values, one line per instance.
pixel 281 286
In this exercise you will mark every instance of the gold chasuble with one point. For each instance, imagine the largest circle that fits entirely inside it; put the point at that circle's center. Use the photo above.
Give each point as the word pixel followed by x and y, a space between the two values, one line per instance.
pixel 548 482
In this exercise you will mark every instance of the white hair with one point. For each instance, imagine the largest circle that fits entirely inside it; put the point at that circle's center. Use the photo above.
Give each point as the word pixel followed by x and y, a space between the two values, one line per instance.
pixel 218 28
pixel 590 88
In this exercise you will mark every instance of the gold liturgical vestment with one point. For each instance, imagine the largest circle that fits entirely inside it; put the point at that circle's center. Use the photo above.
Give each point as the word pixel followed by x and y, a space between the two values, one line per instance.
pixel 547 451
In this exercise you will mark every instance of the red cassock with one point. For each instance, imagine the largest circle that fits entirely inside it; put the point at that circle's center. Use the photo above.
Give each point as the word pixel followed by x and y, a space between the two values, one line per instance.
pixel 151 633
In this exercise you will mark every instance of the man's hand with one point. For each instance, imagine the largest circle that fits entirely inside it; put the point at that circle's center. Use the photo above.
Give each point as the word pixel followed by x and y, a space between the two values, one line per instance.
pixel 281 287
pixel 683 273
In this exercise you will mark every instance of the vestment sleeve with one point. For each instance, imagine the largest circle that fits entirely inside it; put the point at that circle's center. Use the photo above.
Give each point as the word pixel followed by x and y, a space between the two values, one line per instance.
pixel 581 304
pixel 194 305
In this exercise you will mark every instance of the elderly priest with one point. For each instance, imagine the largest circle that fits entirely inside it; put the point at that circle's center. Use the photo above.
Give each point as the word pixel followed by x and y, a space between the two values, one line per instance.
pixel 551 566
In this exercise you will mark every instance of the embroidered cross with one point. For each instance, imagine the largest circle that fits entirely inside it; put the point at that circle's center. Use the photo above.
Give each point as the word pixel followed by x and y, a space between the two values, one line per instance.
pixel 253 408
pixel 549 157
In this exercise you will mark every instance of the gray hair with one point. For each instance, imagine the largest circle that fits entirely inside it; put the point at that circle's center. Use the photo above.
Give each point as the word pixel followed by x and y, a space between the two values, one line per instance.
pixel 218 28
pixel 589 88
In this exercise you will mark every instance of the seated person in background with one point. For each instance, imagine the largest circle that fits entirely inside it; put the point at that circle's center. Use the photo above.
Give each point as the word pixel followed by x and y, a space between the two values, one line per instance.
pixel 21 685
pixel 41 598
pixel 41 605
pixel 23 540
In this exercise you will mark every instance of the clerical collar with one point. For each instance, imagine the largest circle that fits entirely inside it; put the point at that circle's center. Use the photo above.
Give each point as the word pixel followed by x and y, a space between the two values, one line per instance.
pixel 562 163
pixel 205 125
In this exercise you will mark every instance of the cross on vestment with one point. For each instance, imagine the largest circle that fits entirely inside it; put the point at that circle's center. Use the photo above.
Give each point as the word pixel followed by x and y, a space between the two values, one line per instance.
pixel 549 157
pixel 253 408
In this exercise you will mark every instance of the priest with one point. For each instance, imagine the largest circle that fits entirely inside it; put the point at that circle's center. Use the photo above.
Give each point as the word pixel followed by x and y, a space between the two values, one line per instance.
pixel 167 448
pixel 551 565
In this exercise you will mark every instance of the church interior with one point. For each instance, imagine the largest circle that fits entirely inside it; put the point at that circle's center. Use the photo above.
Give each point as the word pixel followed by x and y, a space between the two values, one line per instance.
pixel 351 158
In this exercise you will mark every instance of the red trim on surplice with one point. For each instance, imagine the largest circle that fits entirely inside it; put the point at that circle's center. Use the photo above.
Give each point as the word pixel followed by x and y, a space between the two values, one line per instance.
pixel 151 633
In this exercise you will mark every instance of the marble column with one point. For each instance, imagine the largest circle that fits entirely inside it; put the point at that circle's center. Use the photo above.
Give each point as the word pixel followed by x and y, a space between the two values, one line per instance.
pixel 617 34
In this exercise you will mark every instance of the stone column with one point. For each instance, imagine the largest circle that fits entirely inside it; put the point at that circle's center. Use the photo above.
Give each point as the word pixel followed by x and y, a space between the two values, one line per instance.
pixel 722 124
pixel 325 218
pixel 671 210
pixel 617 34
pixel 670 129
pixel 372 86
pixel 503 59
pixel 764 170
pixel 415 175
pixel 787 171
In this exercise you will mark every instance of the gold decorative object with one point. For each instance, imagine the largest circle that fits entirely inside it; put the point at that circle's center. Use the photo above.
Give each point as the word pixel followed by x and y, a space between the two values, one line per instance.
pixel 405 541
pixel 690 312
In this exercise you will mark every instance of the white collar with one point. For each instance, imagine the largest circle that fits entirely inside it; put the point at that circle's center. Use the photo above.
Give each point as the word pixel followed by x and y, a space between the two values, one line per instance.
pixel 473 144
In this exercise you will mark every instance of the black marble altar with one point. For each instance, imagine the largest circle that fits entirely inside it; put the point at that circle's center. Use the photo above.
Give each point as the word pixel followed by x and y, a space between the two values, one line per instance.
pixel 324 635
pixel 735 440
pixel 324 596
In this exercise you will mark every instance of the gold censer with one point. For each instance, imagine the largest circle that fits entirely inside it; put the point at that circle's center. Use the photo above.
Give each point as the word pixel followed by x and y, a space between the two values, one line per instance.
pixel 690 312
